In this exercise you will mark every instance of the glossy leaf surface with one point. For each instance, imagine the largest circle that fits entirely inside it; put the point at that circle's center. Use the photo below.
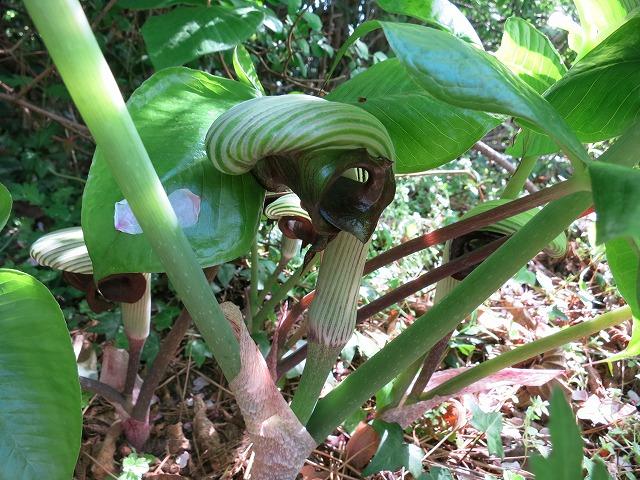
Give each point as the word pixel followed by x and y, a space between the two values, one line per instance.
pixel 172 112
pixel 40 418
pixel 457 73
pixel 187 33
pixel 438 13
pixel 5 205
pixel 528 53
pixel 245 69
pixel 426 132
pixel 600 95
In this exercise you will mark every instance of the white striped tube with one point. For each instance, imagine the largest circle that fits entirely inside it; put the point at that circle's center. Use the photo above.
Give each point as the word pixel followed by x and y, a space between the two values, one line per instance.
pixel 63 250
pixel 265 126
pixel 286 206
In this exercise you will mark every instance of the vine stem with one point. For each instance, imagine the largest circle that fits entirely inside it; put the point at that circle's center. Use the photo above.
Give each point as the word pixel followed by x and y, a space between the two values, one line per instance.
pixel 529 350
pixel 86 74
pixel 443 317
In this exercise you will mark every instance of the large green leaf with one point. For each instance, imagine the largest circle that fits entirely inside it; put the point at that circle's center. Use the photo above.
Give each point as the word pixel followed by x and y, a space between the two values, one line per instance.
pixel 598 18
pixel 437 13
pixel 426 132
pixel 600 95
pixel 5 205
pixel 530 54
pixel 616 194
pixel 565 460
pixel 187 33
pixel 172 112
pixel 40 414
pixel 457 73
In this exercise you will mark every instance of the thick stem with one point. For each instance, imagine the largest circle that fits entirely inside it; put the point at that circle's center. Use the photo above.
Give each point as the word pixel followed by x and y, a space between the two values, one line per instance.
pixel 424 333
pixel 68 37
pixel 316 370
pixel 332 316
pixel 136 318
pixel 529 350
pixel 520 178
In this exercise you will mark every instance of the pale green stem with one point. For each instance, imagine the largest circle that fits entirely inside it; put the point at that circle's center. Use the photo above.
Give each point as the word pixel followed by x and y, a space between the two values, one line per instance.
pixel 332 317
pixel 529 350
pixel 75 52
pixel 516 182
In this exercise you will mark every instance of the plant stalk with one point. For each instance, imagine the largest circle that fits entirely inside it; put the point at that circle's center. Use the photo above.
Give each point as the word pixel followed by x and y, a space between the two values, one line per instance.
pixel 73 47
pixel 529 350
pixel 424 333
pixel 520 177
pixel 332 316
pixel 136 318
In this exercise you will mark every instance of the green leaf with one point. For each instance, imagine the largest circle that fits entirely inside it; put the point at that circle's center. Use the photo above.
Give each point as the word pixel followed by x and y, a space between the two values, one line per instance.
pixel 457 73
pixel 187 33
pixel 245 70
pixel 436 13
pixel 529 54
pixel 599 471
pixel 598 18
pixel 598 97
pixel 565 460
pixel 491 424
pixel 616 195
pixel 40 418
pixel 5 205
pixel 426 132
pixel 313 20
pixel 436 473
pixel 172 112
pixel 624 262
pixel 623 256
pixel 393 453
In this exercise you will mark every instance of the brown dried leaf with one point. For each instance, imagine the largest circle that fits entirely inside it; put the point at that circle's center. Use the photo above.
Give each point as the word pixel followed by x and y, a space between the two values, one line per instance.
pixel 362 446
pixel 104 465
pixel 309 472
pixel 176 441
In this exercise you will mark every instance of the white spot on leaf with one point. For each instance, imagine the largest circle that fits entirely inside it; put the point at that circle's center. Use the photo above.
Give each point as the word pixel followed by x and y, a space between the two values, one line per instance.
pixel 185 203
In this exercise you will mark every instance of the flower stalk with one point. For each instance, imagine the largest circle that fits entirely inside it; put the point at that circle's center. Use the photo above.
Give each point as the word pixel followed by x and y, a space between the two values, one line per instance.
pixel 136 318
pixel 332 316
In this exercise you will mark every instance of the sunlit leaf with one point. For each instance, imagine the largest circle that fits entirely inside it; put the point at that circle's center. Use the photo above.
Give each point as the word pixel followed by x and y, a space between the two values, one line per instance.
pixel 187 33
pixel 598 18
pixel 436 13
pixel 599 96
pixel 173 111
pixel 245 69
pixel 530 54
pixel 426 132
pixel 40 418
